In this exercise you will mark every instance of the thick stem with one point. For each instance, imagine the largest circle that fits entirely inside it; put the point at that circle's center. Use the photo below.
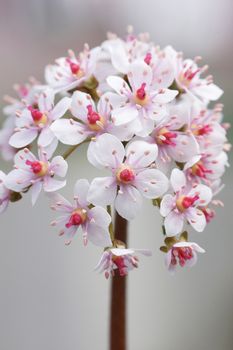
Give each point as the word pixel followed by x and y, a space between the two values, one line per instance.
pixel 118 296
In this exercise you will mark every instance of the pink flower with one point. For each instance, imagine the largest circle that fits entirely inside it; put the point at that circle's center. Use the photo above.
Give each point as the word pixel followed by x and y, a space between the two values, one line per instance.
pixel 188 78
pixel 206 127
pixel 36 121
pixel 133 174
pixel 173 143
pixel 91 121
pixel 36 173
pixel 27 94
pixel 183 254
pixel 94 222
pixel 4 193
pixel 141 103
pixel 207 167
pixel 119 259
pixel 70 72
pixel 184 205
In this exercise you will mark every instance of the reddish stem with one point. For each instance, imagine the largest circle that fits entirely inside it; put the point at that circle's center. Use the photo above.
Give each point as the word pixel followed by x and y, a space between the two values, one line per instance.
pixel 118 296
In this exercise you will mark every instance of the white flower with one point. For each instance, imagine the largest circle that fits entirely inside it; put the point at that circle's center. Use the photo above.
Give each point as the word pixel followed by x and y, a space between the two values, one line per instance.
pixel 94 221
pixel 70 72
pixel 184 205
pixel 188 78
pixel 132 175
pixel 120 259
pixel 36 173
pixel 139 103
pixel 173 141
pixel 27 94
pixel 37 121
pixel 90 121
pixel 207 167
pixel 183 254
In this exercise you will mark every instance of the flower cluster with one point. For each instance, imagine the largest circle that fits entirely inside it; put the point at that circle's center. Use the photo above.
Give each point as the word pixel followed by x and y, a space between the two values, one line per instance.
pixel 144 112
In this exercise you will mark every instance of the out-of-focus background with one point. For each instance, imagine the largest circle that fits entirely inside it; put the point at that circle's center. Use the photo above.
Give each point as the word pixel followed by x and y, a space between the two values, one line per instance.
pixel 50 298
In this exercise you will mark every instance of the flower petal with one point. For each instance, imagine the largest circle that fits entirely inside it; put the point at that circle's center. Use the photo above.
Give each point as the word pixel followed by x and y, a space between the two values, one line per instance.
pixel 165 96
pixel 61 108
pixel 102 191
pixel 139 73
pixel 69 132
pixel 98 235
pixel 18 179
pixel 178 180
pixel 119 85
pixel 152 183
pixel 36 189
pixel 46 100
pixel 167 204
pixel 80 101
pixel 173 223
pixel 50 184
pixel 81 189
pixel 124 115
pixel 21 158
pixel 59 166
pixel 106 152
pixel 140 154
pixel 59 203
pixel 100 217
pixel 128 202
pixel 209 92
pixel 23 138
pixel 185 148
pixel 196 218
pixel 46 137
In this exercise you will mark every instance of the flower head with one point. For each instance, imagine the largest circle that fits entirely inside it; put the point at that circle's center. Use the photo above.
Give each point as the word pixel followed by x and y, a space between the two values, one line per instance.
pixel 119 259
pixel 133 174
pixel 34 121
pixel 70 72
pixel 180 252
pixel 94 221
pixel 36 173
pixel 188 77
pixel 139 102
pixel 183 205
pixel 90 121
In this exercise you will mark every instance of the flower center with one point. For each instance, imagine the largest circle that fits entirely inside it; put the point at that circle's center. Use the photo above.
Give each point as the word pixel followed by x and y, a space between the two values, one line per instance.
pixel 78 217
pixel 37 116
pixel 184 202
pixel 38 168
pixel 165 137
pixel 95 121
pixel 141 96
pixel 204 130
pixel 75 68
pixel 187 75
pixel 120 263
pixel 200 170
pixel 148 58
pixel 125 174
pixel 181 255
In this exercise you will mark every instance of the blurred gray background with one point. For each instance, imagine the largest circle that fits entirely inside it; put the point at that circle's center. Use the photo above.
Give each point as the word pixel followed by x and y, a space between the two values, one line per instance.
pixel 50 298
